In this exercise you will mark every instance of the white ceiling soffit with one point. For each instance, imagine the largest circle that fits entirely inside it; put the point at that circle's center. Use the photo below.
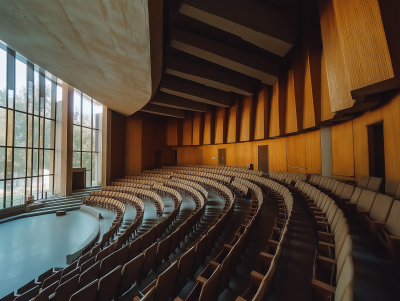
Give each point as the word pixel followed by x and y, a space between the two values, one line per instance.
pixel 103 48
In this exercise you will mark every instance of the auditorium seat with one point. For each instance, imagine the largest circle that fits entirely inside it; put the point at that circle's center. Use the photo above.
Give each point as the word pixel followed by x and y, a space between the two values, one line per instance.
pixel 391 187
pixel 130 273
pixel 364 203
pixel 389 232
pixel 374 184
pixel 90 274
pixel 134 248
pixel 29 294
pixel 121 256
pixel 107 264
pixel 149 261
pixel 67 289
pixel 44 294
pixel 363 182
pixel 87 264
pixel 149 296
pixel 87 293
pixel 71 274
pixel 379 211
pixel 50 280
pixel 109 284
pixel 9 297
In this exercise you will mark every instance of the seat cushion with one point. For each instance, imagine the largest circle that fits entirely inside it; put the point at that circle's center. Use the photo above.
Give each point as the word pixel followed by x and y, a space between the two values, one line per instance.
pixel 381 208
pixel 366 200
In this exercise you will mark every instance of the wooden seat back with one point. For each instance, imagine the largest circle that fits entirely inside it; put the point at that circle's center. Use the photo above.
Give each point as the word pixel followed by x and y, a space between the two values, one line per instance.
pixel 109 284
pixel 87 293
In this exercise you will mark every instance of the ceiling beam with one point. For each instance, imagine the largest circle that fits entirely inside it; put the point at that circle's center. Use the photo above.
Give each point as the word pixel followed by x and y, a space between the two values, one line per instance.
pixel 165 111
pixel 209 76
pixel 172 101
pixel 253 65
pixel 195 92
pixel 264 25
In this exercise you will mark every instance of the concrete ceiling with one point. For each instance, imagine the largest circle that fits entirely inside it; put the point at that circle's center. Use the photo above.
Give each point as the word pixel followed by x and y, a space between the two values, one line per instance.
pixel 104 48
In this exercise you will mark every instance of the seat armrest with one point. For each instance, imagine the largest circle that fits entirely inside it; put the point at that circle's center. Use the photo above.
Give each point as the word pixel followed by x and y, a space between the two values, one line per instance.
pixel 149 287
pixel 326 237
pixel 322 290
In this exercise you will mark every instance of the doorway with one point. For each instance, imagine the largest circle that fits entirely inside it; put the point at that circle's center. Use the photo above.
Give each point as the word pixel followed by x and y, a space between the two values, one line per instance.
pixel 263 158
pixel 376 151
pixel 159 159
pixel 222 156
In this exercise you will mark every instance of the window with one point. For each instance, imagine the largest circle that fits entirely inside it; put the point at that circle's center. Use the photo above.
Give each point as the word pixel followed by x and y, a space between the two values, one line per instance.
pixel 27 130
pixel 86 137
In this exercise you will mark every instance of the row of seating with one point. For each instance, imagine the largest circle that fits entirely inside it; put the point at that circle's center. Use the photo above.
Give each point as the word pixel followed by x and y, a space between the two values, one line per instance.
pixel 239 188
pixel 333 270
pixel 261 283
pixel 196 186
pixel 365 182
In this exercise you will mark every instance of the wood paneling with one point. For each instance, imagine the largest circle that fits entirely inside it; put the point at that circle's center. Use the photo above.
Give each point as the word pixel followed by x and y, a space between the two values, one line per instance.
pixel 342 149
pixel 244 154
pixel 313 152
pixel 274 113
pixel 261 123
pixel 349 28
pixel 296 151
pixel 174 131
pixel 209 124
pixel 117 145
pixel 291 125
pixel 187 138
pixel 233 122
pixel 133 144
pixel 326 110
pixel 220 125
pixel 198 127
pixel 245 118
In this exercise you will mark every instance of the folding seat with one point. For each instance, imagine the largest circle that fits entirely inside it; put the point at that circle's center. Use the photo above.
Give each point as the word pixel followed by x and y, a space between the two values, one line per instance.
pixel 122 255
pixel 109 284
pixel 336 193
pixel 378 213
pixel 165 283
pixel 67 289
pixel 50 280
pixel 364 203
pixel 147 239
pixel 374 184
pixel 344 288
pixel 134 248
pixel 130 273
pixel 330 244
pixel 391 187
pixel 44 276
pixel 162 251
pixel 200 253
pixel 44 294
pixel 71 274
pixel 224 258
pixel 328 223
pixel 353 199
pixel 105 238
pixel 324 208
pixel 150 255
pixel 328 270
pixel 389 232
pixel 29 294
pixel 363 182
pixel 23 289
pixel 87 293
pixel 69 268
pixel 206 285
pixel 87 264
pixel 90 274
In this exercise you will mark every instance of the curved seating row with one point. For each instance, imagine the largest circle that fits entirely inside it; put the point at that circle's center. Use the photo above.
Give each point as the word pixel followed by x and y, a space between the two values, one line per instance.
pixel 196 186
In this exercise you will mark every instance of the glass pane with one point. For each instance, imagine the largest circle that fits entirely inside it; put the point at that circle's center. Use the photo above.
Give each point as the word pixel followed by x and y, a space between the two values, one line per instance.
pixel 36 94
pixel 30 97
pixel 40 187
pixel 8 193
pixel 97 115
pixel 3 82
pixel 10 128
pixel 49 133
pixel 87 112
pixel 1 193
pixel 18 191
pixel 28 186
pixel 41 135
pixel 95 179
pixel 96 141
pixel 77 138
pixel 2 163
pixel 48 185
pixel 20 86
pixel 35 131
pixel 9 163
pixel 3 123
pixel 86 139
pixel 10 99
pixel 30 131
pixel 34 187
pixel 40 162
pixel 77 107
pixel 35 163
pixel 86 160
pixel 48 162
pixel 19 162
pixel 29 163
pixel 76 160
pixel 20 129
pixel 59 93
pixel 88 178
pixel 47 93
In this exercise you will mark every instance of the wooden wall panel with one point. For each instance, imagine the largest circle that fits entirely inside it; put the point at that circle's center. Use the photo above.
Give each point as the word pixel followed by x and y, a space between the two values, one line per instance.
pixel 296 151
pixel 291 125
pixel 349 28
pixel 244 154
pixel 187 138
pixel 308 109
pixel 313 152
pixel 233 122
pixel 342 149
pixel 245 118
pixel 186 155
pixel 261 114
pixel 174 131
pixel 231 151
pixel 118 127
pixel 277 155
pixel 209 124
pixel 133 144
pixel 198 124
pixel 274 112
pixel 297 170
pixel 326 109
pixel 220 125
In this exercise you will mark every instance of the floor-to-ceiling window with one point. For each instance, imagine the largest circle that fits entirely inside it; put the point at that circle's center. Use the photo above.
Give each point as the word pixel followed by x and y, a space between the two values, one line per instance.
pixel 28 99
pixel 86 137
